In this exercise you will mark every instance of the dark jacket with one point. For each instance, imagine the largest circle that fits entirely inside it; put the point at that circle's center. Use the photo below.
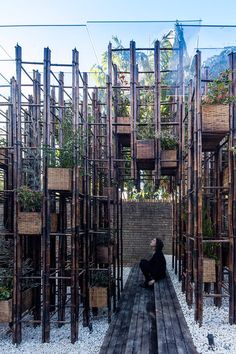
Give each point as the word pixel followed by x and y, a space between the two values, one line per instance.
pixel 158 265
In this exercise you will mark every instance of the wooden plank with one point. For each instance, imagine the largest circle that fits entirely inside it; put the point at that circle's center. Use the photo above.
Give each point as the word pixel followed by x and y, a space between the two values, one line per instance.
pixel 133 324
pixel 178 336
pixel 160 323
pixel 170 338
pixel 118 329
pixel 182 322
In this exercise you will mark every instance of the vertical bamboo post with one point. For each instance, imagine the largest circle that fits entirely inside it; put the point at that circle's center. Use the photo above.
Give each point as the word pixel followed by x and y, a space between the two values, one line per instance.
pixel 45 249
pixel 157 112
pixel 75 200
pixel 232 195
pixel 16 304
pixel 189 292
pixel 133 110
pixel 86 193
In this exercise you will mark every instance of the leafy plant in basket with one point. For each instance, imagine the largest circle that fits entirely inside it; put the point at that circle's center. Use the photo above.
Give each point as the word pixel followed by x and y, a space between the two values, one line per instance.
pixel 123 105
pixel 218 90
pixel 168 140
pixel 6 270
pixel 100 278
pixel 104 240
pixel 30 200
pixel 209 249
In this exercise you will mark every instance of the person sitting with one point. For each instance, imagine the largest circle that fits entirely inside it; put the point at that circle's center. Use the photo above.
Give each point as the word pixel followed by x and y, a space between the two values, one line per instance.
pixel 155 268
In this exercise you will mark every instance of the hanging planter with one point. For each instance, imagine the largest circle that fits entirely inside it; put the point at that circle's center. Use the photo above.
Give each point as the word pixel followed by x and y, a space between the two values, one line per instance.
pixel 6 306
pixel 29 218
pixel 169 159
pixel 226 177
pixel 145 149
pixel 59 179
pixel 215 119
pixel 98 296
pixel 209 270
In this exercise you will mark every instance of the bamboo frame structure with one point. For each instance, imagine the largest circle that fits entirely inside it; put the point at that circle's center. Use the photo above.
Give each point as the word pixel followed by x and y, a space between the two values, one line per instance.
pixel 108 150
pixel 88 203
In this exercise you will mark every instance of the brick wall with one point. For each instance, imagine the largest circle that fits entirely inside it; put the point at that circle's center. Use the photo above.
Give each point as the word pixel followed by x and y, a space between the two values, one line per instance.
pixel 142 221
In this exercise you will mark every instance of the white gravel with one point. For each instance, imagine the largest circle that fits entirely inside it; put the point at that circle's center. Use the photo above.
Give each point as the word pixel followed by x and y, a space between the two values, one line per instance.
pixel 215 321
pixel 88 343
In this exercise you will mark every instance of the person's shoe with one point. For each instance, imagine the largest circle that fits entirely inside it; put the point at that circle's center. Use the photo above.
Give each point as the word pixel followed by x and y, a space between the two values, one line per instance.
pixel 151 283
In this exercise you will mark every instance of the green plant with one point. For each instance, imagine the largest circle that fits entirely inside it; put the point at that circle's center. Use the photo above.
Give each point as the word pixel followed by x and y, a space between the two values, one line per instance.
pixel 100 278
pixel 122 105
pixel 218 90
pixel 168 140
pixel 6 270
pixel 209 249
pixel 30 200
pixel 3 142
pixel 104 240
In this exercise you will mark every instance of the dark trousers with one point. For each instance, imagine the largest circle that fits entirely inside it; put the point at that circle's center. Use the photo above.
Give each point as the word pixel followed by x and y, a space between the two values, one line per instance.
pixel 146 269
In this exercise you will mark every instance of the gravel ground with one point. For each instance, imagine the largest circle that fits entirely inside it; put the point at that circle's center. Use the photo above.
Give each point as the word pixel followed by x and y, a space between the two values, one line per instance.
pixel 89 343
pixel 215 321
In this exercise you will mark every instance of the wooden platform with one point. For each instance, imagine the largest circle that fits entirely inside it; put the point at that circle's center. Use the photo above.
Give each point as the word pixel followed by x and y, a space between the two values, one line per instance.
pixel 135 328
pixel 173 335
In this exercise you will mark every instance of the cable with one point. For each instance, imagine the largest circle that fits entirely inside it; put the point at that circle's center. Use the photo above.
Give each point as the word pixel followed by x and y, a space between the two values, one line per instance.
pixel 41 25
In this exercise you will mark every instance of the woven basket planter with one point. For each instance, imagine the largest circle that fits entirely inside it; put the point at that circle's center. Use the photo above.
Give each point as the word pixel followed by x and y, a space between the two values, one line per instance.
pixel 59 179
pixel 109 191
pixel 98 297
pixel 123 129
pixel 168 158
pixel 215 118
pixel 102 254
pixel 145 149
pixel 2 156
pixel 54 222
pixel 6 306
pixel 209 270
pixel 226 177
pixel 29 223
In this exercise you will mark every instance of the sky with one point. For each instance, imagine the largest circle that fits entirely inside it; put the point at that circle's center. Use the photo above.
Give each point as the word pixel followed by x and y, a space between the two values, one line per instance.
pixel 92 39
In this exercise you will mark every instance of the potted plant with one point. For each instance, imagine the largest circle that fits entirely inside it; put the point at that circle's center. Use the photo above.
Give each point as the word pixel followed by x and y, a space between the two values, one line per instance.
pixel 215 106
pixel 98 290
pixel 122 116
pixel 6 282
pixel 209 249
pixel 104 245
pixel 61 160
pixel 169 145
pixel 2 151
pixel 29 216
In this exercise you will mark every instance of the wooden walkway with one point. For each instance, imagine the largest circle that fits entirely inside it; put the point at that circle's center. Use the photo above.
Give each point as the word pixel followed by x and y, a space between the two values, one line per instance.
pixel 135 328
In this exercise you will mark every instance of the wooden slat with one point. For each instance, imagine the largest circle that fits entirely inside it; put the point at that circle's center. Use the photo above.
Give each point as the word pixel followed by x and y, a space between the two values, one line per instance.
pixel 173 335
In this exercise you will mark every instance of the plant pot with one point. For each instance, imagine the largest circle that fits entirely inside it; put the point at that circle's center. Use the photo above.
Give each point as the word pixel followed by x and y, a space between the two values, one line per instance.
pixel 109 191
pixel 29 223
pixel 145 149
pixel 54 222
pixel 3 156
pixel 169 159
pixel 102 254
pixel 215 125
pixel 215 118
pixel 125 128
pixel 98 297
pixel 59 179
pixel 226 177
pixel 209 270
pixel 6 306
